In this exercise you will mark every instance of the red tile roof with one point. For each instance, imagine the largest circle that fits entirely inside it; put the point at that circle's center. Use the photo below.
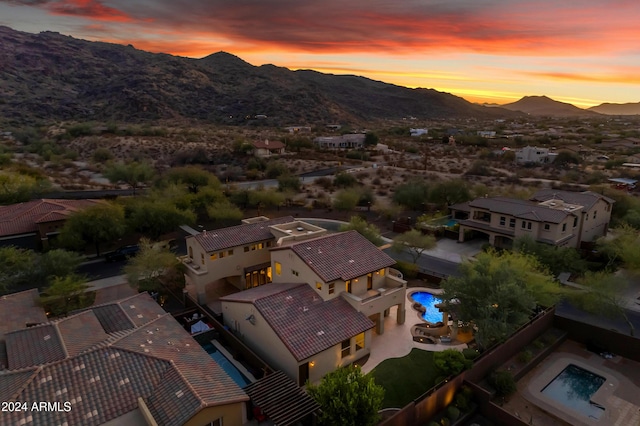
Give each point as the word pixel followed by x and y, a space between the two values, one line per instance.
pixel 267 144
pixel 150 357
pixel 19 309
pixel 305 323
pixel 345 256
pixel 22 218
pixel 239 235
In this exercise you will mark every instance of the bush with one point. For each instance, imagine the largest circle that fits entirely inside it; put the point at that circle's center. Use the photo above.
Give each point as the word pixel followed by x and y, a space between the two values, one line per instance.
pixel 450 362
pixel 409 270
pixel 344 180
pixel 525 356
pixel 453 413
pixel 102 155
pixel 503 382
pixel 470 353
pixel 462 401
pixel 539 343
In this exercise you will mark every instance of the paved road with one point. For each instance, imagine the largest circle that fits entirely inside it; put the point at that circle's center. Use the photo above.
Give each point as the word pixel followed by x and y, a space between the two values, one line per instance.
pixel 427 264
pixel 565 309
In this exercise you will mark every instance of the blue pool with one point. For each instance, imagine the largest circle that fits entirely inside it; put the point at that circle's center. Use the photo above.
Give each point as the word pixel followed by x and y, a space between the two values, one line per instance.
pixel 428 300
pixel 574 387
pixel 451 223
pixel 226 365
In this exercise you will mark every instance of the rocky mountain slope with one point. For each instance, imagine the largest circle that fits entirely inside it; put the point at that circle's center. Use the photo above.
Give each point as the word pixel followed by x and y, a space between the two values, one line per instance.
pixel 617 109
pixel 50 77
pixel 545 106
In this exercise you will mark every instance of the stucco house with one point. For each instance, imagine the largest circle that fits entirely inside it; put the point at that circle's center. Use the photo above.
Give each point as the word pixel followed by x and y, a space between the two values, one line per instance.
pixel 32 224
pixel 122 363
pixel 344 265
pixel 347 141
pixel 560 218
pixel 535 155
pixel 267 148
pixel 296 331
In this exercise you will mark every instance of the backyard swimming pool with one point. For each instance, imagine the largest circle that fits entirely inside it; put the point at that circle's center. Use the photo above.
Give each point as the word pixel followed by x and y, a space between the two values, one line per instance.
pixel 240 379
pixel 574 387
pixel 428 300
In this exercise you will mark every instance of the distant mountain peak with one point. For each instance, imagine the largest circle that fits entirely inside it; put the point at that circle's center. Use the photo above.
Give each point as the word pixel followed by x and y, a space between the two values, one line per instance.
pixel 629 108
pixel 544 105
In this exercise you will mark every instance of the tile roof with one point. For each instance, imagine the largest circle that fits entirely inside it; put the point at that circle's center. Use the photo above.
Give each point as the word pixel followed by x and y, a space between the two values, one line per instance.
pixel 34 346
pixel 345 256
pixel 101 385
pixel 103 379
pixel 165 339
pixel 305 323
pixel 521 209
pixel 19 309
pixel 81 332
pixel 22 218
pixel 587 199
pixel 239 235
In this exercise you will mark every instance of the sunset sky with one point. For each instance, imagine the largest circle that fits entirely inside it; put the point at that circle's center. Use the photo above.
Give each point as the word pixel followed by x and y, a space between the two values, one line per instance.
pixel 585 52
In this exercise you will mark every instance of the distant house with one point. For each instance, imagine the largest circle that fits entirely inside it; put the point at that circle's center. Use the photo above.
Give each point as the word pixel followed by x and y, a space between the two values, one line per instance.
pixel 31 224
pixel 296 331
pixel 125 363
pixel 348 141
pixel 486 133
pixel 418 132
pixel 298 129
pixel 535 155
pixel 559 218
pixel 267 148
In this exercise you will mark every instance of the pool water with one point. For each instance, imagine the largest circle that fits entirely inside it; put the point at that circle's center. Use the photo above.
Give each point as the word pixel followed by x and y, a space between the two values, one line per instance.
pixel 451 223
pixel 428 300
pixel 574 387
pixel 226 365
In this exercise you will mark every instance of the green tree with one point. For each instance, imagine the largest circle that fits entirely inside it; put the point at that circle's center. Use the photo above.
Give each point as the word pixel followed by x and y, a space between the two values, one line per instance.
pixel 450 192
pixel 371 139
pixel 346 200
pixel 265 198
pixel 65 294
pixel 224 211
pixel 133 174
pixel 555 259
pixel 498 292
pixel 288 182
pixel 94 225
pixel 344 180
pixel 564 158
pixel 450 362
pixel 622 248
pixel 153 218
pixel 276 169
pixel 193 177
pixel 603 295
pixel 412 194
pixel 150 268
pixel 59 263
pixel 414 243
pixel 18 187
pixel 348 398
pixel 17 267
pixel 369 231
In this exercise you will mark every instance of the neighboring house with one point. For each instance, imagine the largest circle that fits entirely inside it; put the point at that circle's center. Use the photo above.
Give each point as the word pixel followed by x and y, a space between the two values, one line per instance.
pixel 298 129
pixel 344 265
pixel 560 218
pixel 534 155
pixel 124 363
pixel 486 133
pixel 267 148
pixel 348 141
pixel 418 132
pixel 31 224
pixel 237 258
pixel 296 331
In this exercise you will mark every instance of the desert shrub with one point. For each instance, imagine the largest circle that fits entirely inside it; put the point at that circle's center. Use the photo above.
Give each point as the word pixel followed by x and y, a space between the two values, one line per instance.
pixel 539 343
pixel 275 169
pixel 479 168
pixel 525 356
pixel 324 182
pixel 344 180
pixel 82 129
pixel 453 413
pixel 358 155
pixel 102 155
pixel 376 181
pixel 503 382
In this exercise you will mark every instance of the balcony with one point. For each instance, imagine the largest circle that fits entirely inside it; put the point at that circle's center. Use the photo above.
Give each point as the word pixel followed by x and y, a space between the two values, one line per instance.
pixel 192 267
pixel 392 292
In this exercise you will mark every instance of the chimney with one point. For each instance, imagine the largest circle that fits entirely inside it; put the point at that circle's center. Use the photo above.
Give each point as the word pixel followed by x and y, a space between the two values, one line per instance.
pixel 204 232
pixel 266 141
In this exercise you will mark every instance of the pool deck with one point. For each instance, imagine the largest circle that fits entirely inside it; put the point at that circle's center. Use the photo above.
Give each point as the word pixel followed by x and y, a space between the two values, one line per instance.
pixel 397 340
pixel 619 395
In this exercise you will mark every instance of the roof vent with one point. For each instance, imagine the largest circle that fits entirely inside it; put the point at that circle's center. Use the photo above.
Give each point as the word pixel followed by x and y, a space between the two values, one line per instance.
pixel 47 337
pixel 288 298
pixel 94 379
pixel 308 248
pixel 139 315
pixel 180 394
pixel 299 228
pixel 132 306
pixel 123 381
pixel 351 261
pixel 112 356
pixel 305 309
pixel 320 333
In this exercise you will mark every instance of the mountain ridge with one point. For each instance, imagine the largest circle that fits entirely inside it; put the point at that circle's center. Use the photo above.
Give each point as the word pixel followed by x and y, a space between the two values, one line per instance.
pixel 52 77
pixel 545 106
